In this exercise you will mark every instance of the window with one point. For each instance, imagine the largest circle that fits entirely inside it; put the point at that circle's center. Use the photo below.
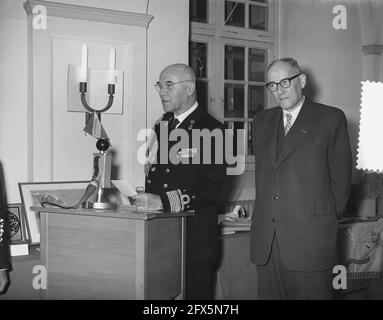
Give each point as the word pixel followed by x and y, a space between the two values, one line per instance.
pixel 244 93
pixel 198 60
pixel 198 10
pixel 231 45
pixel 247 14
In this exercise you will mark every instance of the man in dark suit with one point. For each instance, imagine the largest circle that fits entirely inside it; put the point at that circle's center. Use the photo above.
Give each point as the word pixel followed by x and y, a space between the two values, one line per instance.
pixel 4 250
pixel 180 179
pixel 303 167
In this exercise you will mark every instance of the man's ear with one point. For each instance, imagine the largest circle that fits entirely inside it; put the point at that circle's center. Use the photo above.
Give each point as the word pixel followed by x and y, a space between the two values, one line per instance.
pixel 191 88
pixel 303 80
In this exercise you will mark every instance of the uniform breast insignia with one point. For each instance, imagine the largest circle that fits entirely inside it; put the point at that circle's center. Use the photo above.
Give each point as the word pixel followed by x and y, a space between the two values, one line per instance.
pixel 191 125
pixel 187 153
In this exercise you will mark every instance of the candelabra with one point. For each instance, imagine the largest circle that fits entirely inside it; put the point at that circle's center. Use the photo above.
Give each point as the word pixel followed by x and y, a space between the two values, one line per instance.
pixel 102 161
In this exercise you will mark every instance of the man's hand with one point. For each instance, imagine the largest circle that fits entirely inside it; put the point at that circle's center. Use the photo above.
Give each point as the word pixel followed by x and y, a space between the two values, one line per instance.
pixel 3 280
pixel 148 201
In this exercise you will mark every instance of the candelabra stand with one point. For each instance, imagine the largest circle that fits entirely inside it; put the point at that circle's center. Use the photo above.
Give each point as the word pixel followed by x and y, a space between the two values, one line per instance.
pixel 102 161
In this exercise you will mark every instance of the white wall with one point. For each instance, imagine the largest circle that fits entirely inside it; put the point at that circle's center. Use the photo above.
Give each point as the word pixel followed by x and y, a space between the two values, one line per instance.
pixel 167 43
pixel 13 95
pixel 332 58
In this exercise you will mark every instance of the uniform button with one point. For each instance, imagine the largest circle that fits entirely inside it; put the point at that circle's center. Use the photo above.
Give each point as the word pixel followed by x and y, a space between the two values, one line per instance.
pixel 276 197
pixel 149 181
pixel 193 197
pixel 167 170
pixel 153 169
pixel 165 186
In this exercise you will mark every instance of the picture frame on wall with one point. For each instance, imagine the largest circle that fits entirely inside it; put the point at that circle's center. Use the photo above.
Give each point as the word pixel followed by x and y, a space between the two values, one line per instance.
pixel 64 193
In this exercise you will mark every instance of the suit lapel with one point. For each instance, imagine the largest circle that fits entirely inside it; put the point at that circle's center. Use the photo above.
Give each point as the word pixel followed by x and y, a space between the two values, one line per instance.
pixel 298 133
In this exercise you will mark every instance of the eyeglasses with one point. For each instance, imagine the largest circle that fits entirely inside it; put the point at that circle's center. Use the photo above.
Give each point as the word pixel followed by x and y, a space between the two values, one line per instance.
pixel 284 83
pixel 167 85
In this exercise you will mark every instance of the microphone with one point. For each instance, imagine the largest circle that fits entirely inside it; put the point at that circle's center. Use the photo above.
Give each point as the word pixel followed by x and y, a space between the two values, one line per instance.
pixel 89 191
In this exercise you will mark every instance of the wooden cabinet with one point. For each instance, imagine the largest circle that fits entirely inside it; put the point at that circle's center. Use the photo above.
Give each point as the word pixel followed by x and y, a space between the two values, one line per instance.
pixel 236 275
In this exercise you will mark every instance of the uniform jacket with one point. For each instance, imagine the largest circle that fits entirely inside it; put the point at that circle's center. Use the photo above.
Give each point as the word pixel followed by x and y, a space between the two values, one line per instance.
pixel 188 186
pixel 302 191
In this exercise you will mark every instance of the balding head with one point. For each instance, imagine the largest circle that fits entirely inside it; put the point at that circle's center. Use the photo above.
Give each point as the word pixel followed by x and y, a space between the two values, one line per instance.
pixel 182 71
pixel 177 88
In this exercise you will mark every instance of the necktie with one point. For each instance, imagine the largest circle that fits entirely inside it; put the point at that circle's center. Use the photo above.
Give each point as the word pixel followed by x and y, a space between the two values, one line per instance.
pixel 288 123
pixel 174 123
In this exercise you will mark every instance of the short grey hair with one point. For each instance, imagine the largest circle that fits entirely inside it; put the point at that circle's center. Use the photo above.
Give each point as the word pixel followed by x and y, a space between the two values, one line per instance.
pixel 291 61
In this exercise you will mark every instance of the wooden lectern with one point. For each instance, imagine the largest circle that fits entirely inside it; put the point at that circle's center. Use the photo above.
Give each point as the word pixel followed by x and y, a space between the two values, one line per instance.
pixel 126 254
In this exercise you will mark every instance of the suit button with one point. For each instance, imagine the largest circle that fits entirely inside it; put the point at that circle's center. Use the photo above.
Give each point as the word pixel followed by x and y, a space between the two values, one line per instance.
pixel 149 181
pixel 276 197
pixel 167 170
pixel 165 186
pixel 153 169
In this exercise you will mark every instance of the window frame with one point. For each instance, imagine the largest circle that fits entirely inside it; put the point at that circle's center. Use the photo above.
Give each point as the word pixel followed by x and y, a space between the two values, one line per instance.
pixel 246 31
pixel 217 35
pixel 222 81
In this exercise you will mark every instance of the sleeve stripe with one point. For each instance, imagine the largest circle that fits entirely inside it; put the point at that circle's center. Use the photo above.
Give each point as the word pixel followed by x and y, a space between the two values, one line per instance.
pixel 175 200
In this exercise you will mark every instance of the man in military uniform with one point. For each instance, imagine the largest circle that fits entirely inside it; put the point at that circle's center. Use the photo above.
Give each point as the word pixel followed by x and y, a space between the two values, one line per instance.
pixel 4 250
pixel 176 181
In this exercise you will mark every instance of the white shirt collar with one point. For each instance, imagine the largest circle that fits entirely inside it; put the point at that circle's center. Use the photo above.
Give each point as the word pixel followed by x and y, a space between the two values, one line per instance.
pixel 294 113
pixel 181 117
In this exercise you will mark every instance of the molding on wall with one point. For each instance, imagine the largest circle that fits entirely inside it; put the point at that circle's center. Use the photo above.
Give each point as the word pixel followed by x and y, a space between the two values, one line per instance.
pixel 372 49
pixel 70 11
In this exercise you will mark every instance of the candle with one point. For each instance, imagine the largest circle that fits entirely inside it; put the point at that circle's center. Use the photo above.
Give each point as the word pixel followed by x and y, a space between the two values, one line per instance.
pixel 84 63
pixel 112 65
